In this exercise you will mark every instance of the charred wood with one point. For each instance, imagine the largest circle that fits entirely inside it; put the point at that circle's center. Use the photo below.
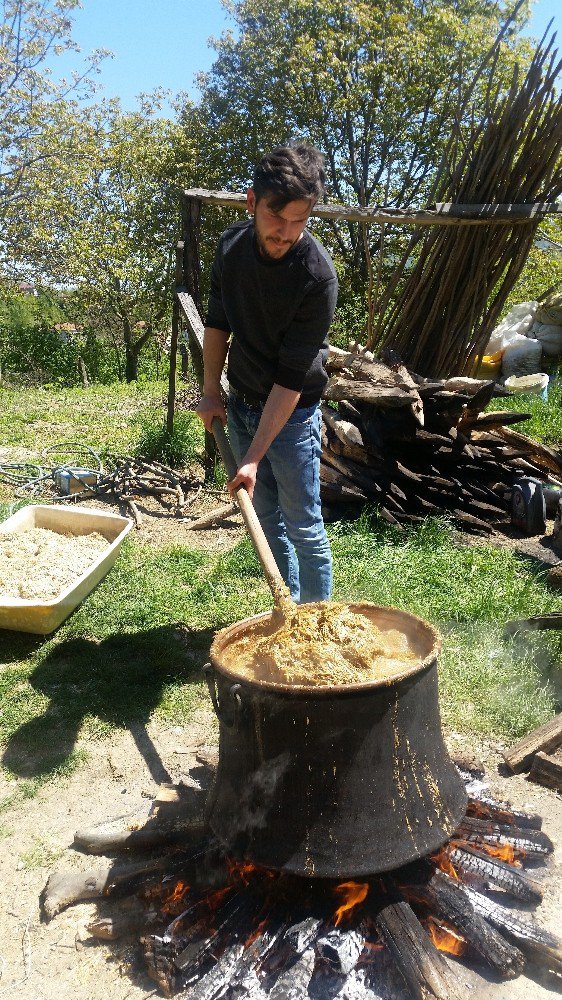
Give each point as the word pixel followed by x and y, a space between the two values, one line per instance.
pixel 501 812
pixel 293 982
pixel 342 948
pixel 535 942
pixel 422 967
pixel 452 903
pixel 533 842
pixel 468 861
pixel 204 868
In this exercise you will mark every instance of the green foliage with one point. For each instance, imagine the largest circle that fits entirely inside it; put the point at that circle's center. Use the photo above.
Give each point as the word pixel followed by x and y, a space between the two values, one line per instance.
pixel 379 88
pixel 543 267
pixel 183 445
pixel 102 218
pixel 31 31
pixel 30 346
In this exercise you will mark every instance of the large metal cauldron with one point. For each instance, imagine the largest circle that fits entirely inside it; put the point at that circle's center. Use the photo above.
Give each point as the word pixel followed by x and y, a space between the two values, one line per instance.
pixel 334 781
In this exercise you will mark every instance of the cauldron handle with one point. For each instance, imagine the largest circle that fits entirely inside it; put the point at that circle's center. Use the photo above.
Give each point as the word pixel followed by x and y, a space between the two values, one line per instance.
pixel 234 694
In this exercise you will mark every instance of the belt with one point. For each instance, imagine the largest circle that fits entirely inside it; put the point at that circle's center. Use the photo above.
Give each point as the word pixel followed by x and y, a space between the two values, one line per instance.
pixel 258 403
pixel 248 398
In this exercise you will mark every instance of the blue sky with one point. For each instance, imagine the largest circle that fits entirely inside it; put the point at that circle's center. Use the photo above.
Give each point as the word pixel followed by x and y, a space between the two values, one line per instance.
pixel 164 43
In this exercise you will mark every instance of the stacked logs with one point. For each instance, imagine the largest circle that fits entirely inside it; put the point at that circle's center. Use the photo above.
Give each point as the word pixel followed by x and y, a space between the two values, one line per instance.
pixel 417 447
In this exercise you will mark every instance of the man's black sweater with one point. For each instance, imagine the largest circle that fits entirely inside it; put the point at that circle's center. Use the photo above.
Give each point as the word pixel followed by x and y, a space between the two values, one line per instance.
pixel 278 312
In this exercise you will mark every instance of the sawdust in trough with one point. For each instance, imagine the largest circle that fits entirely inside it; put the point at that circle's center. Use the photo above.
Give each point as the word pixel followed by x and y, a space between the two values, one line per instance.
pixel 39 563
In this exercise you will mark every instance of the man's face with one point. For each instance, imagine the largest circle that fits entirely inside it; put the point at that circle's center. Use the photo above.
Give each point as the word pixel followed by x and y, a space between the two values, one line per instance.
pixel 277 232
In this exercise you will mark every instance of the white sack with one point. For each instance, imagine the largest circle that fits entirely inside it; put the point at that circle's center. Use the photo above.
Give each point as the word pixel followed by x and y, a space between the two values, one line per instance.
pixel 550 336
pixel 518 322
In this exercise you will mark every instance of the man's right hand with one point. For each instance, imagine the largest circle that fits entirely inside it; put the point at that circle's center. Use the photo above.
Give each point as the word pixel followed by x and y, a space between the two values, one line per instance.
pixel 209 408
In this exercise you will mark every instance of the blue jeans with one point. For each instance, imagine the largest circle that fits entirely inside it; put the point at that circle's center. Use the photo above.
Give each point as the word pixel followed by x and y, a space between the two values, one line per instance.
pixel 287 497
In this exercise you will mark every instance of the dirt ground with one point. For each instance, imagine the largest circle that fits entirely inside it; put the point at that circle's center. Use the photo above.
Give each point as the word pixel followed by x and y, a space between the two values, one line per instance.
pixel 58 959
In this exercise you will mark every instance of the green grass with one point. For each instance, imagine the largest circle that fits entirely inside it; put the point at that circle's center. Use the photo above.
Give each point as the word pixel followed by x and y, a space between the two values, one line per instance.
pixel 40 855
pixel 110 419
pixel 134 650
pixel 488 685
pixel 545 424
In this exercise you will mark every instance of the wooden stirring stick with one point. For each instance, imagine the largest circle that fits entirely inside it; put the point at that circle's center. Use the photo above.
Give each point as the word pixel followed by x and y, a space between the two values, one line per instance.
pixel 284 604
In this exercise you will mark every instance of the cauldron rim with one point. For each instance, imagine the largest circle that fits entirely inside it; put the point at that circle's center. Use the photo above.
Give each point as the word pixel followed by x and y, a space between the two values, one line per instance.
pixel 231 632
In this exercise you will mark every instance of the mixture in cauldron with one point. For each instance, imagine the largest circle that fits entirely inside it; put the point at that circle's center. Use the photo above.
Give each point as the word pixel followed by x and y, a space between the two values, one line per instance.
pixel 319 644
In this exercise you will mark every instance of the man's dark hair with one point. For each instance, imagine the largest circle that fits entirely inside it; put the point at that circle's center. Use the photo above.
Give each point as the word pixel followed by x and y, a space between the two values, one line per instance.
pixel 290 173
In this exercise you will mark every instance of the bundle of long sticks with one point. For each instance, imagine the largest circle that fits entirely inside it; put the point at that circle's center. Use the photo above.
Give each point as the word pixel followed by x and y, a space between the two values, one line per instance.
pixel 452 297
pixel 415 446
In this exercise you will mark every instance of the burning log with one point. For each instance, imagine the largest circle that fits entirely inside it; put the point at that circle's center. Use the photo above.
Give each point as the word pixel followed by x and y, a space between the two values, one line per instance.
pixel 452 903
pixel 530 938
pixel 63 889
pixel 501 812
pixel 468 861
pixel 423 968
pixel 533 842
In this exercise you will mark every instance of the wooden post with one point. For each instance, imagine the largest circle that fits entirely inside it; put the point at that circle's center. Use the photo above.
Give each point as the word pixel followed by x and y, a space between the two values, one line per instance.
pixel 174 340
pixel 191 227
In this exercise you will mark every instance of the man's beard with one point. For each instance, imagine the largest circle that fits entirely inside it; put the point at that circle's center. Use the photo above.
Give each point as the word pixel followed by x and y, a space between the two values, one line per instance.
pixel 265 251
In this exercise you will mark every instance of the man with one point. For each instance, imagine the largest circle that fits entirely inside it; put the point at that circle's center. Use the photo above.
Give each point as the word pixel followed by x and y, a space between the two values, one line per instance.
pixel 273 294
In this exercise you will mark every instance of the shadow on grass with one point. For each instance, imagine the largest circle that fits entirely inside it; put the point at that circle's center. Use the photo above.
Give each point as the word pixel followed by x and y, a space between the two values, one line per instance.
pixel 16 646
pixel 119 680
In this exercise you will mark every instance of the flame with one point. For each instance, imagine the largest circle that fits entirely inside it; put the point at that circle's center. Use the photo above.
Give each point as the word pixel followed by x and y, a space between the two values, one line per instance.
pixel 177 895
pixel 256 933
pixel 504 852
pixel 241 871
pixel 352 894
pixel 443 861
pixel 445 938
pixel 483 811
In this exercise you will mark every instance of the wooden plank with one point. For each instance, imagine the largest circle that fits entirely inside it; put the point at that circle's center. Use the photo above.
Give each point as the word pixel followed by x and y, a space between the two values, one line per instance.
pixel 196 329
pixel 546 771
pixel 537 623
pixel 546 738
pixel 443 214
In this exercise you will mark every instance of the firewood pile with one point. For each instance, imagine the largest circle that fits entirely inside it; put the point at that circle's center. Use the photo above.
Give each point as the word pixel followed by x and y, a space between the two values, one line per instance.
pixel 416 446
pixel 540 752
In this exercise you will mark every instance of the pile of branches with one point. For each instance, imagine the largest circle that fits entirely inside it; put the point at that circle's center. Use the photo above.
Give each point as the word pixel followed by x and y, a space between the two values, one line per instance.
pixel 453 296
pixel 131 478
pixel 419 447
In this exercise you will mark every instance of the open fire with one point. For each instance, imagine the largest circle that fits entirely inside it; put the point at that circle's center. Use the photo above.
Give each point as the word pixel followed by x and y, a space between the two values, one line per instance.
pixel 215 928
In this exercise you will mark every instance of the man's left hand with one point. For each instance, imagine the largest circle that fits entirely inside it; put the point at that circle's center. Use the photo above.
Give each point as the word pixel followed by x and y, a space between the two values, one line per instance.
pixel 246 476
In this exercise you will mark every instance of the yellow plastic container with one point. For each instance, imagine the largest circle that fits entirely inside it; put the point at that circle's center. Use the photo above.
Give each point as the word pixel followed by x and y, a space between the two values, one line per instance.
pixel 43 617
pixel 490 366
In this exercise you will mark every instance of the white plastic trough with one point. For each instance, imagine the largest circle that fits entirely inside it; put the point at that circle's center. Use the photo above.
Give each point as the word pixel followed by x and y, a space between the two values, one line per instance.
pixel 43 617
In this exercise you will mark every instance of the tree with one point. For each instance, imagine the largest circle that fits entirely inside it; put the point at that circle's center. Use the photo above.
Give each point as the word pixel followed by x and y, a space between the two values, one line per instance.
pixel 376 86
pixel 31 31
pixel 104 215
